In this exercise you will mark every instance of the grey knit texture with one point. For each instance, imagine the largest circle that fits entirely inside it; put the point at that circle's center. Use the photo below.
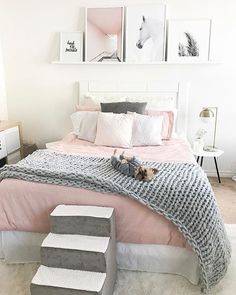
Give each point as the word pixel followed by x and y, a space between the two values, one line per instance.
pixel 180 192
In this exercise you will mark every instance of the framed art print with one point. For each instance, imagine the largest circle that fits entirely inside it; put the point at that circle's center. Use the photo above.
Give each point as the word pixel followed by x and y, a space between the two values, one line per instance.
pixel 189 40
pixel 104 34
pixel 145 33
pixel 71 46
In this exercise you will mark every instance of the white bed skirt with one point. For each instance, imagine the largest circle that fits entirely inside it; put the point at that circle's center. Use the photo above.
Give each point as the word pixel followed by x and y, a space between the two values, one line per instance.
pixel 24 247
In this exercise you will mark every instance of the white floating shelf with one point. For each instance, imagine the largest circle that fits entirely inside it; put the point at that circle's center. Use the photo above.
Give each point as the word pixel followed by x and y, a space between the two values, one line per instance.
pixel 129 63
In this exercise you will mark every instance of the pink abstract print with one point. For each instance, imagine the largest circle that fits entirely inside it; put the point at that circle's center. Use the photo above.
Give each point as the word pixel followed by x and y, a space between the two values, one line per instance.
pixel 104 34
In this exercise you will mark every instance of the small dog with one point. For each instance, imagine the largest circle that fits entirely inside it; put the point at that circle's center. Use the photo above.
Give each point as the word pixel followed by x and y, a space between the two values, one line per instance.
pixel 130 166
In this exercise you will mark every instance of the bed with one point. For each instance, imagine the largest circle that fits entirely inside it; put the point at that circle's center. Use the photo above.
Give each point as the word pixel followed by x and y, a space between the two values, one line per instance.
pixel 147 241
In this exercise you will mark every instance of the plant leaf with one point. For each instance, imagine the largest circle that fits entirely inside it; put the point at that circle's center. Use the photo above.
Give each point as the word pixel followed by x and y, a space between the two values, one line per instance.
pixel 192 47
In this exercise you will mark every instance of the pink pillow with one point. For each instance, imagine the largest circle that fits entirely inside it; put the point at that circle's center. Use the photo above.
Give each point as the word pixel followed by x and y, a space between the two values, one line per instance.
pixel 93 108
pixel 168 121
pixel 114 130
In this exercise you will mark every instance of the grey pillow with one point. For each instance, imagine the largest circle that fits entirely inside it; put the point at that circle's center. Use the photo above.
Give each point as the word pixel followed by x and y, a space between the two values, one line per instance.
pixel 124 107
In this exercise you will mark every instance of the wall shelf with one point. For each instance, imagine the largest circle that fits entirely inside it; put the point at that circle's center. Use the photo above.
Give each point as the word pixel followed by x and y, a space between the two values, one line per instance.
pixel 129 63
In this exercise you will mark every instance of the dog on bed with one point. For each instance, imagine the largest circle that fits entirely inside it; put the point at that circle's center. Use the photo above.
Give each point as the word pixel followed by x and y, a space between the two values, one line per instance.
pixel 131 166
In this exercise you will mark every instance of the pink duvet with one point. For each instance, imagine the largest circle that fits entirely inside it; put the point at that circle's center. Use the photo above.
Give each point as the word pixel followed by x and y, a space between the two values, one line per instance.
pixel 25 206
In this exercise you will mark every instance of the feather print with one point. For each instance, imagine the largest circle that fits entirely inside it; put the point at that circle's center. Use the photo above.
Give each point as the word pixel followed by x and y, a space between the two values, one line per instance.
pixel 192 46
pixel 182 51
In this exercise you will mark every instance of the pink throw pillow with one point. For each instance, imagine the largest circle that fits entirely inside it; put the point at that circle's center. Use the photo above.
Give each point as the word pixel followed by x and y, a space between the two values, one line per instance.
pixel 168 121
pixel 114 130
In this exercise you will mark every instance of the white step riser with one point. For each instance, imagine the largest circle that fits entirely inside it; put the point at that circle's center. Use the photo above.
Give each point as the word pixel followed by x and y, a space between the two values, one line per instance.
pixel 56 281
pixel 63 281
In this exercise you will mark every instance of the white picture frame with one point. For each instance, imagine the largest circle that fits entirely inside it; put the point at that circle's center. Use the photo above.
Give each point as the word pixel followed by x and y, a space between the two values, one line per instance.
pixel 71 46
pixel 145 33
pixel 107 22
pixel 189 40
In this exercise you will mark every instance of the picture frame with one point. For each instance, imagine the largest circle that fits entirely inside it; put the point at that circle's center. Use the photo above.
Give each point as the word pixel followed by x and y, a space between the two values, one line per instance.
pixel 71 46
pixel 189 40
pixel 145 32
pixel 104 32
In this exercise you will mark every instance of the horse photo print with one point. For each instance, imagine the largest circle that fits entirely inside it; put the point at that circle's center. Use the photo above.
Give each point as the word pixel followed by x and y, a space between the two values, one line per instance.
pixel 145 33
pixel 189 40
pixel 104 34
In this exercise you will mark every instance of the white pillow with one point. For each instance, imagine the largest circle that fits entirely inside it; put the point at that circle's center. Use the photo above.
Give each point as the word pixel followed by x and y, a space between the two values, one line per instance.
pixel 85 125
pixel 114 130
pixel 147 130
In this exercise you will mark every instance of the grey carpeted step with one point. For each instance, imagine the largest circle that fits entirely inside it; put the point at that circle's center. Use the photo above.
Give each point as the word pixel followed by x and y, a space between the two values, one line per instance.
pixel 81 252
pixel 58 281
pixel 83 220
pixel 79 256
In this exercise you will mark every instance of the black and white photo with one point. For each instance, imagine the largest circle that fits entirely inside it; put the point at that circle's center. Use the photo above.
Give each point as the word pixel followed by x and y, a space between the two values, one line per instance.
pixel 189 40
pixel 145 33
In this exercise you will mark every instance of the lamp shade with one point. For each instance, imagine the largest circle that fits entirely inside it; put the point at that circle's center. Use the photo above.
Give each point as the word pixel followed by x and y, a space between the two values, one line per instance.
pixel 206 115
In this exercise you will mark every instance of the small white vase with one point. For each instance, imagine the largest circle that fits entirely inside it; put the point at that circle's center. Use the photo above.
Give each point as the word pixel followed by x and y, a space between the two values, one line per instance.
pixel 198 146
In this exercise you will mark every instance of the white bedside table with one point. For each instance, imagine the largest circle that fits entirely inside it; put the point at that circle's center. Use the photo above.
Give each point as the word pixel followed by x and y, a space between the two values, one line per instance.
pixel 206 154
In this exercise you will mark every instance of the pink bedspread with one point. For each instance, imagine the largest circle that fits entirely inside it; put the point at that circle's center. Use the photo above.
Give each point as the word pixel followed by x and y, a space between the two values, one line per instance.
pixel 25 206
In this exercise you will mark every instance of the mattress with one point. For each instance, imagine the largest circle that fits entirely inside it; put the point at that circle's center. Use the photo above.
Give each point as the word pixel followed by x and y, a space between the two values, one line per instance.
pixel 146 241
pixel 26 206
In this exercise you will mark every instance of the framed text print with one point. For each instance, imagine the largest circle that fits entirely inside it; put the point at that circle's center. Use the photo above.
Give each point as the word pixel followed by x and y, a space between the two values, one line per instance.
pixel 71 47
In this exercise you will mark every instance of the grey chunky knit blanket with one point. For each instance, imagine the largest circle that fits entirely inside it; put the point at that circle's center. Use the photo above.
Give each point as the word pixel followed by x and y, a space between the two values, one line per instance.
pixel 180 192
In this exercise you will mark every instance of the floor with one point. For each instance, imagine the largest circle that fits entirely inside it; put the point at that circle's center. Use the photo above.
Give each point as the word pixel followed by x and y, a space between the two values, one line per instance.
pixel 226 198
pixel 15 279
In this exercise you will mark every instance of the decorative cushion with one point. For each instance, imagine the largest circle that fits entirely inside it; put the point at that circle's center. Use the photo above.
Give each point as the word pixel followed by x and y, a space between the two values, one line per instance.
pixel 147 130
pixel 169 118
pixel 114 130
pixel 124 107
pixel 85 125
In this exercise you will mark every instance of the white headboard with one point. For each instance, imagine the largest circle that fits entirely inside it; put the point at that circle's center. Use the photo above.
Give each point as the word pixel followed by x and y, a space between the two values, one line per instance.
pixel 164 94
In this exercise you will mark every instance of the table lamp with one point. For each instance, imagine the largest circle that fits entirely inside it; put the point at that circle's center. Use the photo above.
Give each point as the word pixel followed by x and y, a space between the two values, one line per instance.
pixel 206 115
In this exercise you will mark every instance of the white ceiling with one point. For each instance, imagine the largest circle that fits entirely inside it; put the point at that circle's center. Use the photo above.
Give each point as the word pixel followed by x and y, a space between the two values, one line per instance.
pixel 108 20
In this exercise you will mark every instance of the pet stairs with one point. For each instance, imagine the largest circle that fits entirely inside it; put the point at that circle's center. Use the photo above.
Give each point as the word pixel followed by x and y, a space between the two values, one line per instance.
pixel 78 257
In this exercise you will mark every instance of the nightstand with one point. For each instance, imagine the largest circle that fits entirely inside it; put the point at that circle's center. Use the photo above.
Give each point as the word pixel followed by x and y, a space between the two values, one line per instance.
pixel 11 147
pixel 204 154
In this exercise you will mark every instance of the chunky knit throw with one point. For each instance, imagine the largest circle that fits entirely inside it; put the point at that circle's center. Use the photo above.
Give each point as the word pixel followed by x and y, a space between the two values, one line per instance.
pixel 180 192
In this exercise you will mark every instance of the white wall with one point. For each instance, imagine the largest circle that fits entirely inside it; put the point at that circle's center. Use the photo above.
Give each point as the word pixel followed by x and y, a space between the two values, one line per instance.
pixel 43 95
pixel 3 98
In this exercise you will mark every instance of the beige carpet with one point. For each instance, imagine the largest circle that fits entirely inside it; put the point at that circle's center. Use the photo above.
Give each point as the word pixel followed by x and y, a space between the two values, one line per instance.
pixel 226 198
pixel 15 279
